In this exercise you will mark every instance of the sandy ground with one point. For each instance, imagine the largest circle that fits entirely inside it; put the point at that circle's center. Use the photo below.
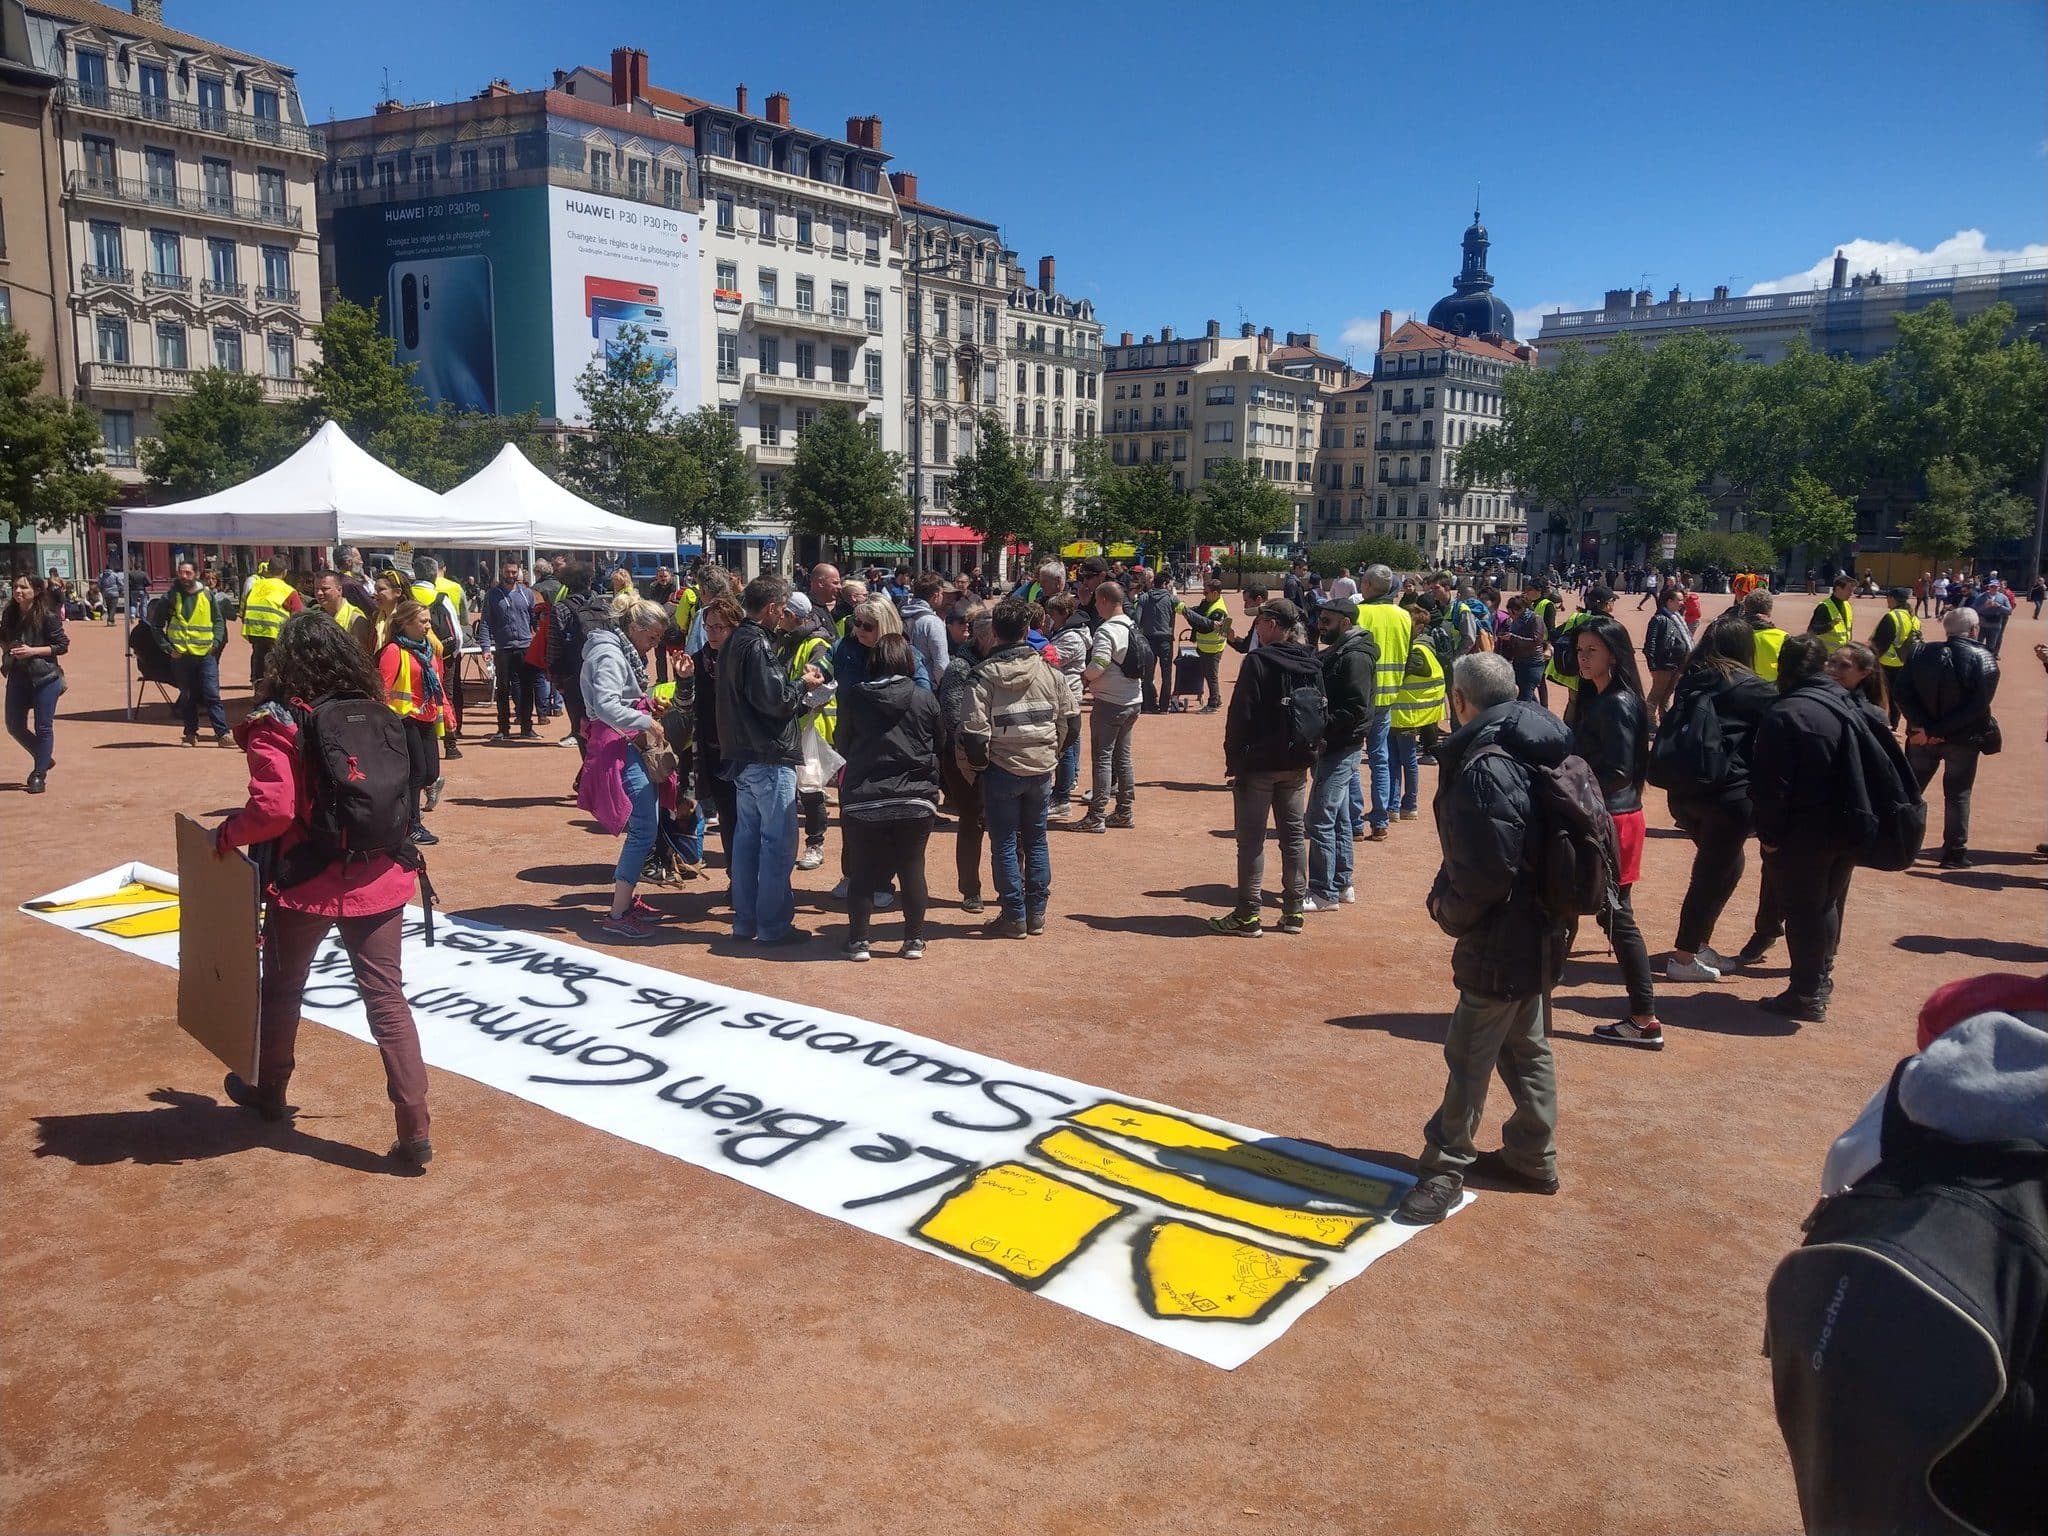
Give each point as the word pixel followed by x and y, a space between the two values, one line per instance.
pixel 212 1326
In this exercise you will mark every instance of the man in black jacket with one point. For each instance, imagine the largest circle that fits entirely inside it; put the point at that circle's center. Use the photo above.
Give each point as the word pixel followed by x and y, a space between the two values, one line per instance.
pixel 758 705
pixel 1268 768
pixel 1153 613
pixel 1665 648
pixel 1945 692
pixel 1509 950
pixel 1350 664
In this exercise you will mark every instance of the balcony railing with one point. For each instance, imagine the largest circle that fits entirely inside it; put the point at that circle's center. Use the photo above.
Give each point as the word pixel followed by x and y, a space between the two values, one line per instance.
pixel 1151 426
pixel 201 204
pixel 832 390
pixel 118 458
pixel 816 321
pixel 1027 347
pixel 1405 410
pixel 141 379
pixel 166 282
pixel 209 289
pixel 1388 445
pixel 91 276
pixel 771 455
pixel 284 298
pixel 189 115
pixel 1402 480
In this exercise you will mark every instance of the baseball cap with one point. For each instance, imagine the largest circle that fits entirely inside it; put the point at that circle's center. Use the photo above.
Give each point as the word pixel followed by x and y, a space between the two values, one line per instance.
pixel 799 605
pixel 1599 594
pixel 1280 611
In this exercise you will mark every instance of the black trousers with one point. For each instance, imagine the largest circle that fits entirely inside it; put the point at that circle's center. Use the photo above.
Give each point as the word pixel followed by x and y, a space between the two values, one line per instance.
pixel 1958 765
pixel 1159 688
pixel 963 799
pixel 1619 923
pixel 515 679
pixel 259 658
pixel 1718 833
pixel 571 690
pixel 810 804
pixel 1809 890
pixel 423 761
pixel 878 852
pixel 720 793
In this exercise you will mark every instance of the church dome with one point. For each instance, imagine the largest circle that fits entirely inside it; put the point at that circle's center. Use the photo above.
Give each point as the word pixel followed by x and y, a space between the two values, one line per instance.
pixel 1471 308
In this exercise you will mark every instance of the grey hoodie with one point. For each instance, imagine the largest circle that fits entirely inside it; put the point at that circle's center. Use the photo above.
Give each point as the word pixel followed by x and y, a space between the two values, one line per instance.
pixel 614 679
pixel 926 631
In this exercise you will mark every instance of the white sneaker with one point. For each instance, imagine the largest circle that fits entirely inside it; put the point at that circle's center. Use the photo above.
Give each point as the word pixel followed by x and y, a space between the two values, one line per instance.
pixel 1350 896
pixel 1709 956
pixel 1694 969
pixel 1310 904
pixel 811 859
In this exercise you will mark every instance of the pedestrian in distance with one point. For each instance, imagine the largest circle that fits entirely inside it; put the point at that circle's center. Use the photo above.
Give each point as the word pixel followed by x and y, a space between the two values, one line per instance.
pixel 1152 612
pixel 1068 632
pixel 1665 648
pixel 807 640
pixel 1209 620
pixel 1945 690
pixel 32 640
pixel 511 610
pixel 1524 643
pixel 1509 948
pixel 1418 709
pixel 1277 725
pixel 719 617
pixel 970 636
pixel 1349 661
pixel 1895 638
pixel 1393 633
pixel 889 732
pixel 113 585
pixel 315 885
pixel 1114 692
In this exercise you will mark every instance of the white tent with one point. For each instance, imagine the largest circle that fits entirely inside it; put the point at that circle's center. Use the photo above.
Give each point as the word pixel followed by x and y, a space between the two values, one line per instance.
pixel 329 492
pixel 510 489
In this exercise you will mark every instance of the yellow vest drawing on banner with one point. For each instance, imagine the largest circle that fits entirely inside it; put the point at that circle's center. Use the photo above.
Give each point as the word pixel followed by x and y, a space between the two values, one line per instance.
pixel 1420 699
pixel 191 636
pixel 264 613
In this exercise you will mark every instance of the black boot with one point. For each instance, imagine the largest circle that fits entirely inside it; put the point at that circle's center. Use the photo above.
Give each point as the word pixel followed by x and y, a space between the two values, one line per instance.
pixel 267 1102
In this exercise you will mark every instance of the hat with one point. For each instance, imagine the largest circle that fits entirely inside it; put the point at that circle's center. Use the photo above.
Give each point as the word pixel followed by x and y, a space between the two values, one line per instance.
pixel 799 605
pixel 1280 611
pixel 1599 595
pixel 1346 606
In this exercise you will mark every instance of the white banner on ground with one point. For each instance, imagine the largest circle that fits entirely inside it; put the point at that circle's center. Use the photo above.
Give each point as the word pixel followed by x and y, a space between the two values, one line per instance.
pixel 1195 1233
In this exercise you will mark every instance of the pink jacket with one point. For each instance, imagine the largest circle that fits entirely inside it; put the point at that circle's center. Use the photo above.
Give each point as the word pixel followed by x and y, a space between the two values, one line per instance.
pixel 280 804
pixel 603 790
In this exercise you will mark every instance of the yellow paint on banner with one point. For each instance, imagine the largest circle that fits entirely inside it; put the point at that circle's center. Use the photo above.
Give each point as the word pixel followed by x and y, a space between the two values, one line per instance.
pixel 1084 1154
pixel 1212 1277
pixel 1020 1222
pixel 141 925
pixel 1162 1130
pixel 132 894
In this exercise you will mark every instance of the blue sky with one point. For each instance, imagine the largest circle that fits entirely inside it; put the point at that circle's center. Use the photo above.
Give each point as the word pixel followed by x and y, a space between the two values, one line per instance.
pixel 1304 166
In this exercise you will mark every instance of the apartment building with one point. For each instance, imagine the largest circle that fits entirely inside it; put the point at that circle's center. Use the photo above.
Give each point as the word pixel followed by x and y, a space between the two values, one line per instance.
pixel 1054 367
pixel 34 291
pixel 804 305
pixel 1193 402
pixel 1344 467
pixel 188 212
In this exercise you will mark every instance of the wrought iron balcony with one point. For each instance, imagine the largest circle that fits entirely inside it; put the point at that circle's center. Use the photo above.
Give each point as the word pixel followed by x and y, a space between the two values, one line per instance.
pixel 1408 445
pixel 166 282
pixel 209 289
pixel 284 298
pixel 191 116
pixel 91 276
pixel 200 204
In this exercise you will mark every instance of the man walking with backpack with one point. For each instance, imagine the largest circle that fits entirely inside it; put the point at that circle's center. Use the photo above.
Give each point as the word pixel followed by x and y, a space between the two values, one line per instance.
pixel 1278 719
pixel 1155 604
pixel 1118 662
pixel 1493 896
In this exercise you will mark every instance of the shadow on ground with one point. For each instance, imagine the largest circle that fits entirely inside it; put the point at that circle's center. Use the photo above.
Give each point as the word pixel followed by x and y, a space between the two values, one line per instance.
pixel 190 1127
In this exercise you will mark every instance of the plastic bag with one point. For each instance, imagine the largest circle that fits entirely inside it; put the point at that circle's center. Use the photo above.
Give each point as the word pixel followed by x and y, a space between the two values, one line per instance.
pixel 821 764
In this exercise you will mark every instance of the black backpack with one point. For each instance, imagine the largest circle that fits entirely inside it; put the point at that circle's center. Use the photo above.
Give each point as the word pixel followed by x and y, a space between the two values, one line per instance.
pixel 360 774
pixel 1138 656
pixel 1564 649
pixel 1884 815
pixel 1908 1339
pixel 1580 859
pixel 1692 751
pixel 1308 720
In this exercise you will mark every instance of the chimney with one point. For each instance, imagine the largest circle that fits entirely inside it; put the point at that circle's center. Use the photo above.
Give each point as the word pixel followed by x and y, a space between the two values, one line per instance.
pixel 500 87
pixel 1127 339
pixel 629 76
pixel 1617 298
pixel 1215 329
pixel 1267 337
pixel 1386 326
pixel 874 141
pixel 1841 279
pixel 1673 296
pixel 1245 331
pixel 1045 283
pixel 1166 333
pixel 778 108
pixel 1308 339
pixel 149 10
pixel 740 99
pixel 1721 292
pixel 388 108
pixel 905 183
pixel 1642 298
pixel 856 132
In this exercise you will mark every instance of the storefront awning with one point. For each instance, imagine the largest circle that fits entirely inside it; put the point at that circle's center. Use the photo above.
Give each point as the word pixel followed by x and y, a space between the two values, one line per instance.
pixel 877 548
pixel 950 533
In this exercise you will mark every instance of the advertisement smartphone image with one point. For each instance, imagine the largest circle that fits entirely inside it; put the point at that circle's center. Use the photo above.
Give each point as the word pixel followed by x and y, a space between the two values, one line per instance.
pixel 608 317
pixel 440 317
pixel 656 348
pixel 595 288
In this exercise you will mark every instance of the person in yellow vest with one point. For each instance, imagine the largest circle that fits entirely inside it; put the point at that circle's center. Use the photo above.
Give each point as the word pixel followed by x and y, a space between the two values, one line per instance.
pixel 1393 636
pixel 269 602
pixel 194 628
pixel 806 641
pixel 1834 620
pixel 412 687
pixel 330 598
pixel 1895 638
pixel 1756 608
pixel 447 608
pixel 1210 621
pixel 1418 704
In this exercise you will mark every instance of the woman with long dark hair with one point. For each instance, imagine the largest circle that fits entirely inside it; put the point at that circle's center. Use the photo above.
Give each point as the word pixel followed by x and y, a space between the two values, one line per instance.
pixel 889 731
pixel 1854 665
pixel 314 659
pixel 31 639
pixel 1718 676
pixel 720 616
pixel 412 686
pixel 1612 733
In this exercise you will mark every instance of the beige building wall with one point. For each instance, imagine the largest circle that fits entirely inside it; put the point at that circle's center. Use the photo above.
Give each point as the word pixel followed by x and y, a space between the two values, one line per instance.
pixel 1344 464
pixel 33 293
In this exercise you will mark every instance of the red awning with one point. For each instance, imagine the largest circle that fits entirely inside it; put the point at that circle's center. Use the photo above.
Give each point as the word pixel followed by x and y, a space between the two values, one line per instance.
pixel 947 533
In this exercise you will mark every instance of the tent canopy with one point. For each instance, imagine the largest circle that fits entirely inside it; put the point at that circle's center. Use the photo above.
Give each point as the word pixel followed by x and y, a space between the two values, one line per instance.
pixel 329 492
pixel 510 489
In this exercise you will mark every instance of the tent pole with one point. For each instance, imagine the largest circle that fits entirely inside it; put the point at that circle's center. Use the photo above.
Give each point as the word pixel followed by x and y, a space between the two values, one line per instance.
pixel 127 624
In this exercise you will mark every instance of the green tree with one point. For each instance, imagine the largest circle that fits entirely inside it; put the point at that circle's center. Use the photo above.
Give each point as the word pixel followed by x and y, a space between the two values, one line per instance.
pixel 628 458
pixel 728 497
pixel 1151 505
pixel 49 448
pixel 1562 437
pixel 1100 510
pixel 1239 506
pixel 993 492
pixel 1355 555
pixel 360 385
pixel 843 486
pixel 1724 552
pixel 1811 514
pixel 1966 508
pixel 217 436
pixel 1808 414
pixel 464 442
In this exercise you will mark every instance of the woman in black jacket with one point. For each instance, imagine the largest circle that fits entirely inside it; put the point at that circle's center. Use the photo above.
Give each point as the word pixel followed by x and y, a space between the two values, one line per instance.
pixel 721 616
pixel 1612 733
pixel 889 733
pixel 31 639
pixel 1716 816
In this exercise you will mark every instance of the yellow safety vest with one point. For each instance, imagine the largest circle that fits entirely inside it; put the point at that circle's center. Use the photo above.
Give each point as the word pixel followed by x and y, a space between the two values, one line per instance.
pixel 1904 628
pixel 1215 640
pixel 349 616
pixel 1420 699
pixel 1768 644
pixel 191 636
pixel 1393 632
pixel 263 615
pixel 1550 666
pixel 825 721
pixel 686 608
pixel 402 696
pixel 1843 630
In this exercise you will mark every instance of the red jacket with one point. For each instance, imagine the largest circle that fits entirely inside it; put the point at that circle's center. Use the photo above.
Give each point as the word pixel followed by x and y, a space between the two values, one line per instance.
pixel 280 807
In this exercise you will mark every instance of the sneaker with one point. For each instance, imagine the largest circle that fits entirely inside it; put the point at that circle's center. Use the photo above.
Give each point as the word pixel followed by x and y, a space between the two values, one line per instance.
pixel 1034 922
pixel 788 936
pixel 1004 928
pixel 1376 835
pixel 654 871
pixel 267 1103
pixel 1358 834
pixel 1805 1010
pixel 811 858
pixel 529 734
pixel 1058 810
pixel 568 740
pixel 1091 824
pixel 190 741
pixel 1706 955
pixel 418 1153
pixel 452 752
pixel 1210 709
pixel 1123 821
pixel 973 904
pixel 422 837
pixel 1291 922
pixel 1410 815
pixel 1695 969
pixel 1430 1201
pixel 1628 1032
pixel 496 737
pixel 857 949
pixel 223 740
pixel 839 890
pixel 434 791
pixel 1958 859
pixel 1495 1168
pixel 913 949
pixel 1243 925
pixel 1319 904
pixel 1755 952
pixel 645 911
pixel 884 900
pixel 627 927
pixel 1350 896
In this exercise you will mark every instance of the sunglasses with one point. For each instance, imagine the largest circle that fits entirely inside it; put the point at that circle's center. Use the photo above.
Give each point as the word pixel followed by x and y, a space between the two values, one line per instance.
pixel 865 624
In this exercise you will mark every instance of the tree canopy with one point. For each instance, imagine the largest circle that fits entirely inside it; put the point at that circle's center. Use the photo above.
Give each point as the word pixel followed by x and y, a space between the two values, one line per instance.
pixel 217 436
pixel 993 493
pixel 49 447
pixel 843 485
pixel 1239 506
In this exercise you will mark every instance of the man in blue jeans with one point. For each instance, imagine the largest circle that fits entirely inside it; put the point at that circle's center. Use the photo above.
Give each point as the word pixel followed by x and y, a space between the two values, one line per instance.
pixel 1393 634
pixel 1350 662
pixel 1016 716
pixel 758 704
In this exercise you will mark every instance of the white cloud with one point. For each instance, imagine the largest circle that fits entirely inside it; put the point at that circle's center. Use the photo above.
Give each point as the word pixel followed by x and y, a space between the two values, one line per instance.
pixel 1529 320
pixel 1894 258
pixel 1363 331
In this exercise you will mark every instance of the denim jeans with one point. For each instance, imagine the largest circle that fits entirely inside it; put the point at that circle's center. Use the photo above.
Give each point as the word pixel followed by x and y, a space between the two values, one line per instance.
pixel 22 700
pixel 683 836
pixel 199 683
pixel 1382 775
pixel 640 829
pixel 1330 823
pixel 763 851
pixel 1015 809
pixel 1068 772
pixel 1404 771
pixel 1109 746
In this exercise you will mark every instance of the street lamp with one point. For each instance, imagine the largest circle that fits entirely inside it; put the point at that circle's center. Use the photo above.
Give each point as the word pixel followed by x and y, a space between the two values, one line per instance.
pixel 917 267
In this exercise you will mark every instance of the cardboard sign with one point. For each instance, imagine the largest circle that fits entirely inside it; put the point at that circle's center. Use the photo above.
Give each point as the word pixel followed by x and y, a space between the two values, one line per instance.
pixel 219 960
